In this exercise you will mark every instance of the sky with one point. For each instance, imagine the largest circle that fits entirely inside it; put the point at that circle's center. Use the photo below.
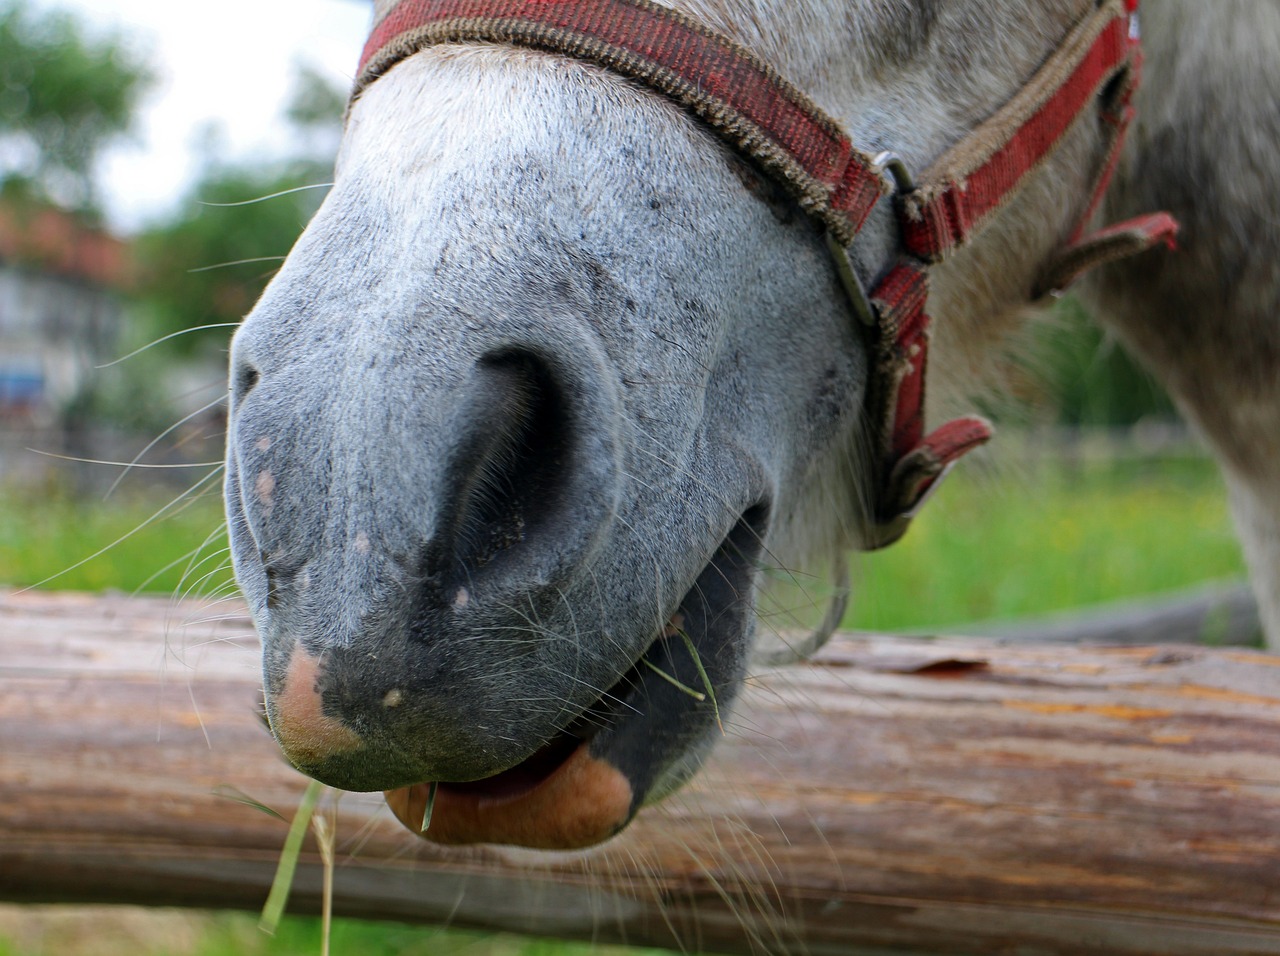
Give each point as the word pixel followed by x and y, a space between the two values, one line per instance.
pixel 229 62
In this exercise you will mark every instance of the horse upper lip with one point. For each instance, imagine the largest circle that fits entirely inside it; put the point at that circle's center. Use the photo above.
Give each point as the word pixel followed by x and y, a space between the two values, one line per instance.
pixel 525 776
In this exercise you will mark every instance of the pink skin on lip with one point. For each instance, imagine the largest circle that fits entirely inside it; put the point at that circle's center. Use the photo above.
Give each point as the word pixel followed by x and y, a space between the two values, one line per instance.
pixel 305 734
pixel 582 803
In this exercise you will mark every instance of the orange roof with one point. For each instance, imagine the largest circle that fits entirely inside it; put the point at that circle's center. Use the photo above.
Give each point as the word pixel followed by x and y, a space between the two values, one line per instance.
pixel 55 242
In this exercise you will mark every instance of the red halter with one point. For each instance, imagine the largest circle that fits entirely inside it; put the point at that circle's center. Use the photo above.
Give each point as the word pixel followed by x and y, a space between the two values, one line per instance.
pixel 1094 72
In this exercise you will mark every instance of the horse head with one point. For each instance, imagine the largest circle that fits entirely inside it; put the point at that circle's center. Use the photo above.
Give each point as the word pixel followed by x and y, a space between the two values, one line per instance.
pixel 554 375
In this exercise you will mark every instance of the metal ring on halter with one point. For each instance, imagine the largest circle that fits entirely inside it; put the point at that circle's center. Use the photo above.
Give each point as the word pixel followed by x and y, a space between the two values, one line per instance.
pixel 894 165
pixel 903 182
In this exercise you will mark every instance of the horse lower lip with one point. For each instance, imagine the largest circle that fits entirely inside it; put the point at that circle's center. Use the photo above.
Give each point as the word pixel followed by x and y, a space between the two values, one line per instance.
pixel 520 781
pixel 584 801
pixel 524 776
pixel 535 770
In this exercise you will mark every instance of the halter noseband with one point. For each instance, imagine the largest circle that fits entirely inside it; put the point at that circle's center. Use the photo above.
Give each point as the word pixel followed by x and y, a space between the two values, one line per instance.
pixel 744 101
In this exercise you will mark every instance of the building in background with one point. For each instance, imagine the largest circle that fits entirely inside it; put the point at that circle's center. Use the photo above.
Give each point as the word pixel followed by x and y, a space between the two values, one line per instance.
pixel 61 315
pixel 60 311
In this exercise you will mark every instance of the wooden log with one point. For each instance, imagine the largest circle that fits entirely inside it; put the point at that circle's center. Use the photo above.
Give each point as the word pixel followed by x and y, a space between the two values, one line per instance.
pixel 903 796
pixel 1215 614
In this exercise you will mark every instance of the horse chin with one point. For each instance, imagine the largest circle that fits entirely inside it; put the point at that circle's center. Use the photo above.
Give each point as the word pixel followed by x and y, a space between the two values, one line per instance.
pixel 636 744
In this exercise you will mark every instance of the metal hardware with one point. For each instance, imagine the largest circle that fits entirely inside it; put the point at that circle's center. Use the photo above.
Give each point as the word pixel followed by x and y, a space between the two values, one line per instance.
pixel 862 307
pixel 892 163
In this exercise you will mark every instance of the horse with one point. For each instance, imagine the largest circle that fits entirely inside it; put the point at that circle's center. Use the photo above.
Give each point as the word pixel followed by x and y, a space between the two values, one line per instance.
pixel 561 367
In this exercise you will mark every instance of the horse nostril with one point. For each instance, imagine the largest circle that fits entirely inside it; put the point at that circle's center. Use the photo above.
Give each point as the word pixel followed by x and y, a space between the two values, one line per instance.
pixel 282 575
pixel 245 378
pixel 511 481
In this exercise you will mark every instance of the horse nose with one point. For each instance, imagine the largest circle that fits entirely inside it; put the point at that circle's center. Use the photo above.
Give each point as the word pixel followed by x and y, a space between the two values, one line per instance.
pixel 512 488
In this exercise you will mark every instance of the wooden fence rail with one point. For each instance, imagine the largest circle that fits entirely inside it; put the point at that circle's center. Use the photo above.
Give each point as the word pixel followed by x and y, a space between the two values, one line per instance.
pixel 959 796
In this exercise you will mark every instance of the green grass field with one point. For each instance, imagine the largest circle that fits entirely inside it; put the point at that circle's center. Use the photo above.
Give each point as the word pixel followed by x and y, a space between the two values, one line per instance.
pixel 50 538
pixel 104 931
pixel 1033 544
pixel 983 549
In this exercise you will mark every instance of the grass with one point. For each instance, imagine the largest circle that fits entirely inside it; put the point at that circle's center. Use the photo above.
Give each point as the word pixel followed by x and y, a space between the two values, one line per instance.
pixel 47 533
pixel 983 549
pixel 298 936
pixel 115 931
pixel 1019 547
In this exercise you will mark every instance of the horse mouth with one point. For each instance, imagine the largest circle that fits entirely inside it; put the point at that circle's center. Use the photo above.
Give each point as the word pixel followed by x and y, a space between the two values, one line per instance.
pixel 638 741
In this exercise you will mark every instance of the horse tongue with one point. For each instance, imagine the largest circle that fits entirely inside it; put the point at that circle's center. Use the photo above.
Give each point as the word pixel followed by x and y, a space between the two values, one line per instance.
pixel 583 801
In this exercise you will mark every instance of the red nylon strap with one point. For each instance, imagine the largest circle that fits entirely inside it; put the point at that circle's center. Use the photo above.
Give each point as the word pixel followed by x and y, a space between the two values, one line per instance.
pixel 901 356
pixel 917 472
pixel 959 195
pixel 740 97
pixel 1118 241
pixel 910 461
pixel 1117 116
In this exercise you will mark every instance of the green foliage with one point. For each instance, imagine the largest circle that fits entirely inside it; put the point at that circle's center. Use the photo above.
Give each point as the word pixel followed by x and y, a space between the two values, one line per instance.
pixel 210 265
pixel 1057 538
pixel 315 103
pixel 63 97
pixel 1084 377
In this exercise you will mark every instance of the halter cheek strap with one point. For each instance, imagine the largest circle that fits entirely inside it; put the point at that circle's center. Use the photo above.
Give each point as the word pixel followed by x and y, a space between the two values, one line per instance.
pixel 1090 77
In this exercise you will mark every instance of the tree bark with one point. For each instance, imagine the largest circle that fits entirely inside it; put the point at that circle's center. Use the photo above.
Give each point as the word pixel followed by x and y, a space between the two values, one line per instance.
pixel 898 796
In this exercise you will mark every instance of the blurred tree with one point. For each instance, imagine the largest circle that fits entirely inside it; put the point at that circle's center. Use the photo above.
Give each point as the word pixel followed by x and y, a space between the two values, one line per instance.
pixel 64 96
pixel 1095 381
pixel 316 104
pixel 209 264
pixel 1075 374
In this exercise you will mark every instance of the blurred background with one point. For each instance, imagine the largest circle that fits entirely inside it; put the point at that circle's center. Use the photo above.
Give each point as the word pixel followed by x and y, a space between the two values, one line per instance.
pixel 137 141
pixel 126 129
pixel 157 161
